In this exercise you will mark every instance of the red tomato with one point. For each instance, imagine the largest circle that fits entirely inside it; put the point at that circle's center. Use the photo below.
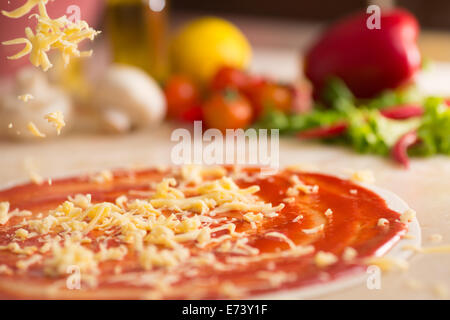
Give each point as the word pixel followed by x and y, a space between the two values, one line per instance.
pixel 182 95
pixel 227 110
pixel 273 96
pixel 229 77
pixel 195 113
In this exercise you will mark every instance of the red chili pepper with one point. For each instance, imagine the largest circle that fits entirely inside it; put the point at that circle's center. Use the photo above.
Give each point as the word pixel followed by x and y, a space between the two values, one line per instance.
pixel 367 60
pixel 402 112
pixel 400 149
pixel 324 132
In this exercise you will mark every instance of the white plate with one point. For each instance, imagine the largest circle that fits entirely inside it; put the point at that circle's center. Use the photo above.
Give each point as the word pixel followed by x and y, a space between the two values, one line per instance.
pixel 394 203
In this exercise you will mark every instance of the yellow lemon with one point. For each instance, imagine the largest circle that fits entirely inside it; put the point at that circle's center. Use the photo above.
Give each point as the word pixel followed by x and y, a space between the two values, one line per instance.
pixel 204 45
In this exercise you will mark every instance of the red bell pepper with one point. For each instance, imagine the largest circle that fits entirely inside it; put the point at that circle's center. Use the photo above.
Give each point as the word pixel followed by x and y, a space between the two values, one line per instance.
pixel 367 60
pixel 400 149
pixel 324 132
pixel 402 112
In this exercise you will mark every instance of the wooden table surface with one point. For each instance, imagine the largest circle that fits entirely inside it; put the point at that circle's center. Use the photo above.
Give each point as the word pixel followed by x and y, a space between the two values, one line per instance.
pixel 425 187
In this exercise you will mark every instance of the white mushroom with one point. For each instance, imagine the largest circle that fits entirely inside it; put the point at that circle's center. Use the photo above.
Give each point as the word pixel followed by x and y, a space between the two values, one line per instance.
pixel 16 114
pixel 127 98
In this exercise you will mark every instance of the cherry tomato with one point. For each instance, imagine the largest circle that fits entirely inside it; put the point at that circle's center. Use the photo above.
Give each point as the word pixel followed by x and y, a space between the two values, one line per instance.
pixel 227 110
pixel 181 94
pixel 192 114
pixel 273 96
pixel 229 77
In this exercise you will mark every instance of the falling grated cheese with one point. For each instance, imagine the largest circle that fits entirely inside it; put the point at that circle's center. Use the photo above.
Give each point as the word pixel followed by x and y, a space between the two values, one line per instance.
pixel 57 119
pixel 34 130
pixel 324 259
pixel 25 97
pixel 61 34
pixel 297 218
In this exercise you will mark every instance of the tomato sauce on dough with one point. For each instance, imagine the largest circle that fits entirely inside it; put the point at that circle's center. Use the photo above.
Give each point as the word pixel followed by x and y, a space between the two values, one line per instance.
pixel 353 223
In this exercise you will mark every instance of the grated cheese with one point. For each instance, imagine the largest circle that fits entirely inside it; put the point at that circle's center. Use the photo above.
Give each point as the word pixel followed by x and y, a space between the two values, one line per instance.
pixel 34 130
pixel 14 247
pixel 25 264
pixel 60 34
pixel 276 278
pixel 22 234
pixel 408 216
pixel 324 259
pixel 4 209
pixel 363 176
pixel 314 230
pixel 382 222
pixel 282 237
pixel 25 97
pixel 57 119
pixel 102 177
pixel 349 254
pixel 388 263
pixel 298 185
pixel 435 249
pixel 4 269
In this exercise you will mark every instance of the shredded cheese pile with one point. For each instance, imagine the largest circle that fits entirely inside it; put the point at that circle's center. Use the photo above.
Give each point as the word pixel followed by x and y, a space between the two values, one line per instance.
pixel 159 230
pixel 60 34
pixel 183 223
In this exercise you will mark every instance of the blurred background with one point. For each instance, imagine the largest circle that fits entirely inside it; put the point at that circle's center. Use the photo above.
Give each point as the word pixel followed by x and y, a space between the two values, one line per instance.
pixel 167 38
pixel 294 23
